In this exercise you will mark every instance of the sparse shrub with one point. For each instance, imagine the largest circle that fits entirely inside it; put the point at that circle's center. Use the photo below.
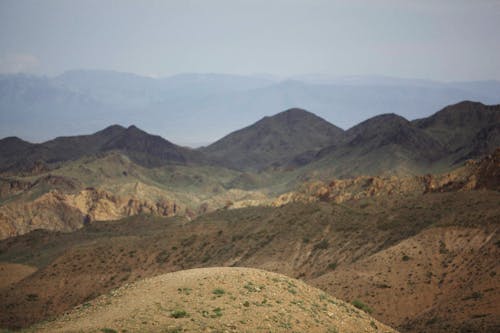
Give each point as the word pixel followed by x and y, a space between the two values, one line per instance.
pixel 185 291
pixel 474 296
pixel 217 313
pixel 246 304
pixel 174 330
pixel 382 285
pixel 188 241
pixel 405 258
pixel 108 330
pixel 362 306
pixel 32 297
pixel 162 257
pixel 252 288
pixel 321 245
pixel 219 292
pixel 442 248
pixel 178 314
pixel 332 265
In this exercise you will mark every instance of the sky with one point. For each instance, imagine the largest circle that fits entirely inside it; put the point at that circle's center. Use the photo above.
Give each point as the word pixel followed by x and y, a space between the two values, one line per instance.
pixel 445 40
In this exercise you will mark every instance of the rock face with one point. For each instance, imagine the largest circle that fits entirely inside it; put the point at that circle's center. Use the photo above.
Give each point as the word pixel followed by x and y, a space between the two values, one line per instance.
pixel 474 175
pixel 61 211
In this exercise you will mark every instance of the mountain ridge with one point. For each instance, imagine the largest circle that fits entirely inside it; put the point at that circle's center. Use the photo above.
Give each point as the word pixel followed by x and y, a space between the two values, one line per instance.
pixel 294 138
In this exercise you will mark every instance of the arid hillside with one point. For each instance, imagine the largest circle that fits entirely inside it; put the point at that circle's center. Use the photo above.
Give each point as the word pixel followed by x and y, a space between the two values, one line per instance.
pixel 350 212
pixel 214 300
pixel 362 250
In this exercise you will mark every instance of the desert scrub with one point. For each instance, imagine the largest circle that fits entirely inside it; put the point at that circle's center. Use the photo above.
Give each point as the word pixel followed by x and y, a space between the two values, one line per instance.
pixel 218 292
pixel 253 288
pixel 185 291
pixel 332 265
pixel 162 257
pixel 217 312
pixel 108 330
pixel 362 306
pixel 322 245
pixel 178 314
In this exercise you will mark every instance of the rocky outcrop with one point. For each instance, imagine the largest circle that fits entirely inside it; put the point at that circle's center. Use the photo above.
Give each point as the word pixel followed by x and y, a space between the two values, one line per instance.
pixel 61 211
pixel 474 175
pixel 14 186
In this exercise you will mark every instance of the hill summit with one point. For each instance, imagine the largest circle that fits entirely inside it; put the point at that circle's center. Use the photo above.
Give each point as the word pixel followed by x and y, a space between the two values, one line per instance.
pixel 217 299
pixel 275 139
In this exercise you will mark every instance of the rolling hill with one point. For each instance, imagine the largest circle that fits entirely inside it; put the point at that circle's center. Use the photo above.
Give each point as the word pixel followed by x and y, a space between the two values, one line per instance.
pixel 216 299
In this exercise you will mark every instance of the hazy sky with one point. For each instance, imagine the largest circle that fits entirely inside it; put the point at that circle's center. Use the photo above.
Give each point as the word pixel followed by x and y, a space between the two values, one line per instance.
pixel 443 40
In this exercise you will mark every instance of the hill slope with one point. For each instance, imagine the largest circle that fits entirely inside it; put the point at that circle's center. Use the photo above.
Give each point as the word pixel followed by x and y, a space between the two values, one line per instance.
pixel 307 241
pixel 389 144
pixel 217 299
pixel 466 129
pixel 274 139
pixel 145 149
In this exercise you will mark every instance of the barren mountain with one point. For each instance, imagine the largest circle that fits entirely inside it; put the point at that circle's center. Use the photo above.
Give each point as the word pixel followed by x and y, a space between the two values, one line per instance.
pixel 417 250
pixel 145 149
pixel 274 139
pixel 466 129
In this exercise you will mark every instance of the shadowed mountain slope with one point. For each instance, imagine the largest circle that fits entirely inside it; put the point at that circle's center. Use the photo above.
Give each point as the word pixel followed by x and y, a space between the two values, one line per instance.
pixel 145 149
pixel 466 129
pixel 389 143
pixel 274 139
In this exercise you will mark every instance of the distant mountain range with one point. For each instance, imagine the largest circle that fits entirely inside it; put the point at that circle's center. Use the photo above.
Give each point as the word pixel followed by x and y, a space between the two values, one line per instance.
pixel 293 140
pixel 200 108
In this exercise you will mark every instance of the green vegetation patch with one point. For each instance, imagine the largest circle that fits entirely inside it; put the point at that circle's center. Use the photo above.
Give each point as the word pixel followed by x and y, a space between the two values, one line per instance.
pixel 362 306
pixel 108 330
pixel 219 292
pixel 178 314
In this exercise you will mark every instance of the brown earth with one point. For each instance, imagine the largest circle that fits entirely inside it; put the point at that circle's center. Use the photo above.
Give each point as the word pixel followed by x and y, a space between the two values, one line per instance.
pixel 12 273
pixel 217 299
pixel 440 279
pixel 354 250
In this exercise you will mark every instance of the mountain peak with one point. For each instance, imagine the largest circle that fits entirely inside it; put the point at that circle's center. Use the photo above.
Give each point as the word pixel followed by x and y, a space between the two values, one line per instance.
pixel 133 128
pixel 275 139
pixel 379 123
